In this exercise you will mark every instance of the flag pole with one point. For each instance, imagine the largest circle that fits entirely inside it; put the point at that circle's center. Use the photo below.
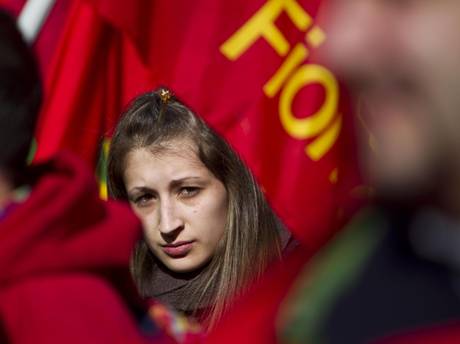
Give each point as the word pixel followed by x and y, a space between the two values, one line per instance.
pixel 32 17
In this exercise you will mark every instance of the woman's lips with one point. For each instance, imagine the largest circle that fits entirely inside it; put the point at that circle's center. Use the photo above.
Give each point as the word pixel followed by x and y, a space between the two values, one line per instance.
pixel 179 249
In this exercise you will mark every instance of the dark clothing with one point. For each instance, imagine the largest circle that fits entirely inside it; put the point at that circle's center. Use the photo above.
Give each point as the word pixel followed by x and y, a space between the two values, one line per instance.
pixel 395 291
pixel 378 280
pixel 174 288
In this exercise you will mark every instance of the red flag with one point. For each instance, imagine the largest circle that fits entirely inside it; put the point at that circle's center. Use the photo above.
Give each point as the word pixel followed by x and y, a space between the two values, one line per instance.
pixel 246 67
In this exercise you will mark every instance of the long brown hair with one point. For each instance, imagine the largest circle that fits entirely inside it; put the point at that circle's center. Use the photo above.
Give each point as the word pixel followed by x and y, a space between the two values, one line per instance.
pixel 251 238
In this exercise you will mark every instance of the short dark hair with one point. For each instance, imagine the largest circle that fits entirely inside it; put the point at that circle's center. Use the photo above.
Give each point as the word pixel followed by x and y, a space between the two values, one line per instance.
pixel 20 98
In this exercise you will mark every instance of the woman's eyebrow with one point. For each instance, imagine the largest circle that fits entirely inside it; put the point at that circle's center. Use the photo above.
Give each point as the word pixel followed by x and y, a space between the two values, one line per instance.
pixel 140 189
pixel 173 184
pixel 180 181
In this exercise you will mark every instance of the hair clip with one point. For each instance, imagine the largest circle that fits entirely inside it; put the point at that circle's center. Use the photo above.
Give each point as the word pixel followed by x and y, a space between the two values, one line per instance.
pixel 165 95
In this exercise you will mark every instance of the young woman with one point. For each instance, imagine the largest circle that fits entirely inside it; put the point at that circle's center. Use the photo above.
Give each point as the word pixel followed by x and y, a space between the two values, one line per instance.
pixel 209 231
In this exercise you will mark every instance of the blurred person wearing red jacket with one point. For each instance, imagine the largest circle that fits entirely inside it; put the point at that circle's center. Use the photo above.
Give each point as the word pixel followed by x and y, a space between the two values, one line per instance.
pixel 392 275
pixel 64 253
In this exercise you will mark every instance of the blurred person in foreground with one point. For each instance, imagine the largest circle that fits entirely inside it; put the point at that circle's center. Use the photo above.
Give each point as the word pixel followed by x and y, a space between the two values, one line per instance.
pixel 393 274
pixel 64 253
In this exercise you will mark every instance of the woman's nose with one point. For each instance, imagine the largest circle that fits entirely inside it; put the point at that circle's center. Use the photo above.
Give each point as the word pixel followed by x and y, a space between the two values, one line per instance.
pixel 170 220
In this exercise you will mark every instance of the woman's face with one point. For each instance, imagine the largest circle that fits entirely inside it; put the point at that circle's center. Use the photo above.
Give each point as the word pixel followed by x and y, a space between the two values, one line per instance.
pixel 182 205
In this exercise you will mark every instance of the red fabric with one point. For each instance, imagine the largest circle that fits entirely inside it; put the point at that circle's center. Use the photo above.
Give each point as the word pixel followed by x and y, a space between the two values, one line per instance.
pixel 112 50
pixel 441 334
pixel 94 73
pixel 12 6
pixel 64 257
pixel 48 37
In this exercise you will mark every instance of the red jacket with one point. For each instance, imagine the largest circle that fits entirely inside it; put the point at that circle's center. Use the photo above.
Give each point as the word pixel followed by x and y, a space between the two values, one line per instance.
pixel 64 257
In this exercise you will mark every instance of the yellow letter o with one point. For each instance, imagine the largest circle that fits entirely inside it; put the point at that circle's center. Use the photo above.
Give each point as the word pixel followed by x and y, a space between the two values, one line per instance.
pixel 304 128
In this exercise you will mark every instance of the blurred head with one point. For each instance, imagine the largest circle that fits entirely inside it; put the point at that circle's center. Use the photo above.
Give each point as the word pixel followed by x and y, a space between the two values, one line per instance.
pixel 20 97
pixel 201 207
pixel 401 61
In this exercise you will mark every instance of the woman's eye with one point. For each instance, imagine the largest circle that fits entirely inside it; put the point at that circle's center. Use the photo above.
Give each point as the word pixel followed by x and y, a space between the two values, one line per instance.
pixel 189 191
pixel 143 200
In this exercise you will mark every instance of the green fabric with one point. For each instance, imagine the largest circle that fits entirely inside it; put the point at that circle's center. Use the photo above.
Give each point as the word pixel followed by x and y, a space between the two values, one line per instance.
pixel 325 277
pixel 32 151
